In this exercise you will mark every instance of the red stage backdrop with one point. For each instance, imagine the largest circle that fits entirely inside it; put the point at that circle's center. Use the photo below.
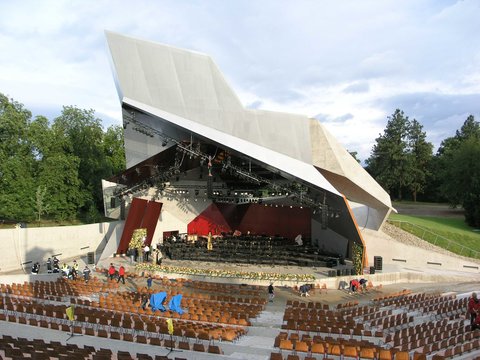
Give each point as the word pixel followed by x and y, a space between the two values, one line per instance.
pixel 256 218
pixel 210 220
pixel 142 214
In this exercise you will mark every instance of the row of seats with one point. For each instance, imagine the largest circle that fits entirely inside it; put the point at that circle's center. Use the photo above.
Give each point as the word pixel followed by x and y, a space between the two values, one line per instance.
pixel 388 318
pixel 21 348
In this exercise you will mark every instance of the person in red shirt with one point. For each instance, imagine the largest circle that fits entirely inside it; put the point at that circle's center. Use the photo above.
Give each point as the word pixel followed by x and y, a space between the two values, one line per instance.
pixel 111 271
pixel 354 284
pixel 121 274
pixel 473 310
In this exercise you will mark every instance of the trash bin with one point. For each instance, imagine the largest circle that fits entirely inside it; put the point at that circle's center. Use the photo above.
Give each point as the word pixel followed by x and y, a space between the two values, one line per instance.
pixel 372 270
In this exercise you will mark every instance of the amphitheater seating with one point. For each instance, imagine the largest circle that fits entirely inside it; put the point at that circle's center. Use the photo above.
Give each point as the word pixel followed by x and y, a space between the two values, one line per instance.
pixel 22 348
pixel 389 328
pixel 116 315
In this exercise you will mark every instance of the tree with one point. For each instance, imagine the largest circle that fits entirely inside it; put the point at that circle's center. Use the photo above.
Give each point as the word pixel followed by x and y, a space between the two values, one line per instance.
pixel 354 155
pixel 85 141
pixel 460 170
pixel 41 205
pixel 114 149
pixel 420 152
pixel 16 162
pixel 57 169
pixel 54 169
pixel 389 161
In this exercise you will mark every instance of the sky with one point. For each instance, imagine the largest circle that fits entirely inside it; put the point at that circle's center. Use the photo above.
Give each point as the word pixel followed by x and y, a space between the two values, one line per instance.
pixel 349 63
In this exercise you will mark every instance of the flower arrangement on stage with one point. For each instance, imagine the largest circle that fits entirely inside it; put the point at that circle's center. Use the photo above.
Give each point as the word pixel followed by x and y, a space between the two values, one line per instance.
pixel 357 259
pixel 226 273
pixel 137 239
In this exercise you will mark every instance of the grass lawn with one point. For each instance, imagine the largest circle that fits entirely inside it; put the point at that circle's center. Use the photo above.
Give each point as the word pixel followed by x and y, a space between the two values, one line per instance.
pixel 454 229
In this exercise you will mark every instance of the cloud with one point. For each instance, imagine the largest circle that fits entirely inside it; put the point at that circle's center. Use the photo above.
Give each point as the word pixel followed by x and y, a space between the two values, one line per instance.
pixel 351 63
pixel 357 88
pixel 254 105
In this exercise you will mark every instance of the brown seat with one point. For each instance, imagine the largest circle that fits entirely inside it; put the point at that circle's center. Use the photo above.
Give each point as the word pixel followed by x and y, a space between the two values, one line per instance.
pixel 293 357
pixel 127 337
pixel 302 346
pixel 214 349
pixel 141 339
pixel 276 356
pixel 318 348
pixel 402 355
pixel 384 354
pixel 169 344
pixel 155 341
pixel 286 344
pixel 198 347
pixel 184 345
pixel 367 353
pixel 350 352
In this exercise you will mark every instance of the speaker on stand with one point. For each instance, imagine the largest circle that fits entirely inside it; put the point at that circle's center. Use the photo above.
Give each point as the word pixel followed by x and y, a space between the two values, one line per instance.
pixel 378 262
pixel 91 258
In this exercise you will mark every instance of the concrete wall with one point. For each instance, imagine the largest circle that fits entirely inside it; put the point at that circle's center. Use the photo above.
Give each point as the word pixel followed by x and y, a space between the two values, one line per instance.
pixel 328 240
pixel 20 246
pixel 407 256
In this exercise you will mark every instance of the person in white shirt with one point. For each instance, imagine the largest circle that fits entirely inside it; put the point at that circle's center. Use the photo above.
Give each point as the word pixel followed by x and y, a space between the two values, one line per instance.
pixel 298 240
pixel 146 252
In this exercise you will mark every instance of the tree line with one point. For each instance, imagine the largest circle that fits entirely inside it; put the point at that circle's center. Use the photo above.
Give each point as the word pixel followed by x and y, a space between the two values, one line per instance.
pixel 53 169
pixel 403 162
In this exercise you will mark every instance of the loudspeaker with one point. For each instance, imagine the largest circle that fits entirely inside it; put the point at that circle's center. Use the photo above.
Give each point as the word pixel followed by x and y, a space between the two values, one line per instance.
pixel 372 270
pixel 113 202
pixel 332 273
pixel 91 258
pixel 378 262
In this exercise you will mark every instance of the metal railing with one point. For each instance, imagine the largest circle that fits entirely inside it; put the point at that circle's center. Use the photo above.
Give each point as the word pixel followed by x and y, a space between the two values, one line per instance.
pixel 435 239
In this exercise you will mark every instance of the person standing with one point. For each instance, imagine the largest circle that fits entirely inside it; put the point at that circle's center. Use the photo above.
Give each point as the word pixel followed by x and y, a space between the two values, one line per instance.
pixel 149 282
pixel 159 257
pixel 49 265
pixel 86 274
pixel 56 262
pixel 271 292
pixel 74 269
pixel 473 307
pixel 146 252
pixel 111 271
pixel 121 274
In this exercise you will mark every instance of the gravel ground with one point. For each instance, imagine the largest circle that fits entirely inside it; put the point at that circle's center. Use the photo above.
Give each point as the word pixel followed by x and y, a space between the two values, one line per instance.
pixel 409 239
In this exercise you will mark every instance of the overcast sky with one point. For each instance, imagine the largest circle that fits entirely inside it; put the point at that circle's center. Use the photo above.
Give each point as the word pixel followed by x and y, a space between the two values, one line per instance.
pixel 350 64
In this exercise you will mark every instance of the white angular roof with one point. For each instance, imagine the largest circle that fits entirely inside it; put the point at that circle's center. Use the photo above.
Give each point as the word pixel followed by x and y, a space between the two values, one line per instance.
pixel 188 89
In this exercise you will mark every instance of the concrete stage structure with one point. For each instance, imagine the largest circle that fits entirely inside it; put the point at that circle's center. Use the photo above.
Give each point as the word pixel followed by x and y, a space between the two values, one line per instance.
pixel 218 167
